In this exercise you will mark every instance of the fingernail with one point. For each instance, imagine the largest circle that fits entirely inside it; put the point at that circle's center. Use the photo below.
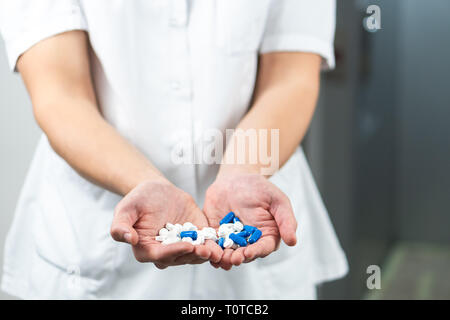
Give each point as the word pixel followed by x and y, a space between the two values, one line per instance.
pixel 127 237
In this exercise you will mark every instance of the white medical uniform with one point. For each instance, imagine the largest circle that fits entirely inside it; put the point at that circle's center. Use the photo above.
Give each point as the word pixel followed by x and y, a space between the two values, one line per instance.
pixel 164 71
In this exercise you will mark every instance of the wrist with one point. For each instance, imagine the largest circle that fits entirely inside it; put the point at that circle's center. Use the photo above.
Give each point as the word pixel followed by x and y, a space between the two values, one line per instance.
pixel 227 170
pixel 147 176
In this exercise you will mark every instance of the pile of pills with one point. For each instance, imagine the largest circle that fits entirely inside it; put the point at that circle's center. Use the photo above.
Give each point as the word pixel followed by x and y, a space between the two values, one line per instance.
pixel 232 233
pixel 187 232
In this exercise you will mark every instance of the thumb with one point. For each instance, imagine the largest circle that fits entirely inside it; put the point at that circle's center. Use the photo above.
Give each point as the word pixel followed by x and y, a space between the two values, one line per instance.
pixel 199 218
pixel 122 225
pixel 283 214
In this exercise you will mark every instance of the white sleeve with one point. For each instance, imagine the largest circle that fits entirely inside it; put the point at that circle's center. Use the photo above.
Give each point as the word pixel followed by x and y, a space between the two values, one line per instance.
pixel 301 25
pixel 23 23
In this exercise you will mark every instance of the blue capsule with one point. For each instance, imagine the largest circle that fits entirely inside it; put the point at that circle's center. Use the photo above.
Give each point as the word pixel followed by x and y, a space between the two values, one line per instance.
pixel 189 234
pixel 220 242
pixel 238 240
pixel 236 219
pixel 228 218
pixel 249 229
pixel 244 234
pixel 255 236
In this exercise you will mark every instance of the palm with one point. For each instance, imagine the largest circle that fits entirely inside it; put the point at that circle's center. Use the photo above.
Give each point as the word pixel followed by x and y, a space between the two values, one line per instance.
pixel 252 198
pixel 157 208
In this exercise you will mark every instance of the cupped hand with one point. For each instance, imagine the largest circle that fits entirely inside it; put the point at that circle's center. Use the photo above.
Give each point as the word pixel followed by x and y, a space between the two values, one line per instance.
pixel 257 202
pixel 145 210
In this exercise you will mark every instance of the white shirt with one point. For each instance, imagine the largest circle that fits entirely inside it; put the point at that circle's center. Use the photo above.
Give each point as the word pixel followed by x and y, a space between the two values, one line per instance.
pixel 164 70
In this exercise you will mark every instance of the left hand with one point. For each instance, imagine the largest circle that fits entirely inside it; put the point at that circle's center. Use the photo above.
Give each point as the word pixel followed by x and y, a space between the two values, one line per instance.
pixel 257 202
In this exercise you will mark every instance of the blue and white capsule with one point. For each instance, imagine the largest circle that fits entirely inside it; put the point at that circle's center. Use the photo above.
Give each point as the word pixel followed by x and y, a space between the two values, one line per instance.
pixel 250 229
pixel 228 218
pixel 189 234
pixel 244 234
pixel 255 236
pixel 238 240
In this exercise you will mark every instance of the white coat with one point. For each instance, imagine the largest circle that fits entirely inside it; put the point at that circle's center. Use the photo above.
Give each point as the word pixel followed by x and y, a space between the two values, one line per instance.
pixel 162 69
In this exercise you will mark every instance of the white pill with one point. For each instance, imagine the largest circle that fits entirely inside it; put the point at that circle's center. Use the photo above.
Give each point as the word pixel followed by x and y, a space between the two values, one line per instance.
pixel 187 239
pixel 188 226
pixel 230 225
pixel 208 233
pixel 172 234
pixel 209 230
pixel 169 226
pixel 171 240
pixel 210 236
pixel 163 232
pixel 238 226
pixel 225 229
pixel 228 243
pixel 178 228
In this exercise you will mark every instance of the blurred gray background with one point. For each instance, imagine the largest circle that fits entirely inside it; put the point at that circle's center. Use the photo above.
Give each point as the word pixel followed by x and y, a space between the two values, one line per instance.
pixel 379 147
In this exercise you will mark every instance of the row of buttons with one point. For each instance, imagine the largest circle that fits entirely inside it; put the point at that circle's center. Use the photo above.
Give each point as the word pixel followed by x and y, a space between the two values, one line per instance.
pixel 179 85
pixel 179 13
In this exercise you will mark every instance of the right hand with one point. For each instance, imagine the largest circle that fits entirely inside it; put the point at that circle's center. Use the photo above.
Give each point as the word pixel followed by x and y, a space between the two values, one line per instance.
pixel 145 210
pixel 258 203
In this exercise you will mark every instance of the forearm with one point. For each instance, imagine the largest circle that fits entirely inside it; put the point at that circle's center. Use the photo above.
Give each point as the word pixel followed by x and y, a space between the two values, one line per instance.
pixel 284 101
pixel 80 135
pixel 56 72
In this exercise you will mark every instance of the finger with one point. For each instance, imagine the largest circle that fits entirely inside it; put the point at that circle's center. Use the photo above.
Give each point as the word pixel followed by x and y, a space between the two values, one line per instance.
pixel 188 259
pixel 225 262
pixel 160 266
pixel 191 258
pixel 213 215
pixel 237 257
pixel 283 213
pixel 260 249
pixel 202 252
pixel 198 217
pixel 216 251
pixel 164 254
pixel 122 225
pixel 215 265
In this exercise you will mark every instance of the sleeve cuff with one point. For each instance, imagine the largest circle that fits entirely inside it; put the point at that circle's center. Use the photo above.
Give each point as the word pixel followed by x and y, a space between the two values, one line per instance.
pixel 299 43
pixel 58 24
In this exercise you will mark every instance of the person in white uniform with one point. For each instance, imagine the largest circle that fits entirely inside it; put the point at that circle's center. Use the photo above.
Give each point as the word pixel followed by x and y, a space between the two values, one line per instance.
pixel 123 91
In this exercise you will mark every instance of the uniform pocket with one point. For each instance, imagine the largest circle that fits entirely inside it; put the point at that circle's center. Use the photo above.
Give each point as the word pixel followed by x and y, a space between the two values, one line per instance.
pixel 240 25
pixel 71 229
